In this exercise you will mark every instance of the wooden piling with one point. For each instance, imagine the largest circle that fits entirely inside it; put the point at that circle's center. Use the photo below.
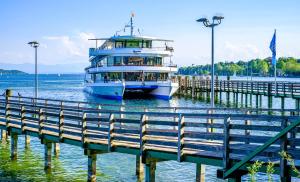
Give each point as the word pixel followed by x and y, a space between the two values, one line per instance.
pixel 250 102
pixel 193 87
pixel 48 157
pixel 242 100
pixel 56 149
pixel 228 99
pixel 139 167
pixel 256 100
pixel 297 105
pixel 260 101
pixel 27 141
pixel 8 94
pixel 13 146
pixel 237 99
pixel 150 171
pixel 3 135
pixel 92 158
pixel 200 173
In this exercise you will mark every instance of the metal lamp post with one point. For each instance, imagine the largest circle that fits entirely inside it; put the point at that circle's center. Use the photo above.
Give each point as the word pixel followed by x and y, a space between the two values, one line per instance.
pixel 216 20
pixel 35 45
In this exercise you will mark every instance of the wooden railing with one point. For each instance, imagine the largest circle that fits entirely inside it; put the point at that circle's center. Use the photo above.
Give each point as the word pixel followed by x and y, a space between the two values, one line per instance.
pixel 165 135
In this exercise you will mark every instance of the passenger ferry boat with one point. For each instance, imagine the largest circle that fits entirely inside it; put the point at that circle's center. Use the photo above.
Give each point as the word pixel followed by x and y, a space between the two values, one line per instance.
pixel 130 64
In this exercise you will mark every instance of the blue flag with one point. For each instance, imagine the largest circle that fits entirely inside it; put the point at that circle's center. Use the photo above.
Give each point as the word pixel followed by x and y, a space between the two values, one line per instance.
pixel 273 48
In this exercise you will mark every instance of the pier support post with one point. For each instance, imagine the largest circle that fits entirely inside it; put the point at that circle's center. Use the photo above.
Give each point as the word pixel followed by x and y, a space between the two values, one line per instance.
pixel 246 100
pixel 270 103
pixel 150 171
pixel 92 158
pixel 193 87
pixel 56 147
pixel 200 173
pixel 228 98
pixel 3 135
pixel 27 141
pixel 48 149
pixel 297 105
pixel 139 167
pixel 233 94
pixel 282 105
pixel 237 99
pixel 260 101
pixel 14 146
pixel 8 94
pixel 256 100
pixel 242 99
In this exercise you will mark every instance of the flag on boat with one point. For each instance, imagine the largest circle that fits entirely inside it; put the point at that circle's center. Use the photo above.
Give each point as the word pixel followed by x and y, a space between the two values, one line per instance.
pixel 273 48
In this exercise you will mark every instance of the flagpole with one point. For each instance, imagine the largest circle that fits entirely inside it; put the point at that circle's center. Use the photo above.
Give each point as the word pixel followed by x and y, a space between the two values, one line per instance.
pixel 275 74
pixel 275 71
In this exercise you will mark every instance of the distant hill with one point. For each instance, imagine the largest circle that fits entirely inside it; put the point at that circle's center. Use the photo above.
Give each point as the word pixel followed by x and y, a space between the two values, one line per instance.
pixel 46 69
pixel 11 72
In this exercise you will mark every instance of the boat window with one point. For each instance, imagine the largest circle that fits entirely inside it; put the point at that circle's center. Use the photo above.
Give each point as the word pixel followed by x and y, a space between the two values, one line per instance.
pixel 110 61
pixel 133 61
pixel 119 44
pixel 114 76
pixel 132 43
pixel 150 76
pixel 153 61
pixel 147 44
pixel 135 76
pixel 118 60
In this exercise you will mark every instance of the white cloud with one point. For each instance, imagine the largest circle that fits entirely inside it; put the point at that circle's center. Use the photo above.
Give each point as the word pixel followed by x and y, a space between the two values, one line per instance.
pixel 72 46
pixel 233 51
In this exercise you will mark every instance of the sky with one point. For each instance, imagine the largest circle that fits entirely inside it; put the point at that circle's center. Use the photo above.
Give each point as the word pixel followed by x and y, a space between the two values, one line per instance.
pixel 63 26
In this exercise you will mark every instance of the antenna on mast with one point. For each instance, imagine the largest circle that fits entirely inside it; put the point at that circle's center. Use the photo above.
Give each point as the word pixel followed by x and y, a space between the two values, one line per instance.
pixel 131 23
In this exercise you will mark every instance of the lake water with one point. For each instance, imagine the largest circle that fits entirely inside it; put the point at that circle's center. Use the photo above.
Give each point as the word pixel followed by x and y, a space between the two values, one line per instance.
pixel 71 165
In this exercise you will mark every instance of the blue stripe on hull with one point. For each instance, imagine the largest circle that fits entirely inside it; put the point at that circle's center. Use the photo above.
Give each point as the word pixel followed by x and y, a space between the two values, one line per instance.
pixel 141 86
pixel 164 97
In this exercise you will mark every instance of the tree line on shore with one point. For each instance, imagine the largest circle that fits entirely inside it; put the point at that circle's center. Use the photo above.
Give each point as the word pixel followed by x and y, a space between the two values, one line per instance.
pixel 288 66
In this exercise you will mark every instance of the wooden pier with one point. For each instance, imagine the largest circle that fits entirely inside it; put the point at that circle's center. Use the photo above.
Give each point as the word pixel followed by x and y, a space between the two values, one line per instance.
pixel 229 138
pixel 240 93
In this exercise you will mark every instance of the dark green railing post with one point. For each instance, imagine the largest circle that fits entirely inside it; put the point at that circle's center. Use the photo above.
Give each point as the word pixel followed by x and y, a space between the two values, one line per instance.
pixel 226 150
pixel 284 168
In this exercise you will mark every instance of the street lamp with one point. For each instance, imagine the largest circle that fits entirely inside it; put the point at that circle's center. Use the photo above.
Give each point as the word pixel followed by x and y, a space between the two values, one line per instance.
pixel 216 20
pixel 35 45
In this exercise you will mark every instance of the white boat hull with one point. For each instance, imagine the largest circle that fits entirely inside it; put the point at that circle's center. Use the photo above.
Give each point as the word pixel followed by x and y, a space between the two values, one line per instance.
pixel 115 90
pixel 106 90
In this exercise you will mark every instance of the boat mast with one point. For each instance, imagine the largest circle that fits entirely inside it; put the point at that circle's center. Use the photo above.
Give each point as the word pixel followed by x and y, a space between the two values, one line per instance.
pixel 131 24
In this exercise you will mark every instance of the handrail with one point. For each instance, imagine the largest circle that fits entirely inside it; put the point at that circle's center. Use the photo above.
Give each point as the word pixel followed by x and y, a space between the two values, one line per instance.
pixel 260 149
pixel 160 107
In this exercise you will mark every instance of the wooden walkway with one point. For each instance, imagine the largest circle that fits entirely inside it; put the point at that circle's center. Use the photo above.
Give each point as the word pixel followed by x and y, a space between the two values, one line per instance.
pixel 240 92
pixel 215 136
